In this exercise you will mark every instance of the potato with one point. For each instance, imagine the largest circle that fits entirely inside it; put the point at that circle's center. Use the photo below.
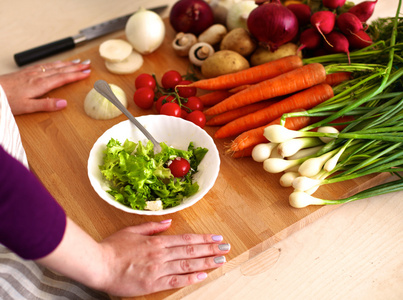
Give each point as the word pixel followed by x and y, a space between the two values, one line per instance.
pixel 262 55
pixel 223 62
pixel 238 40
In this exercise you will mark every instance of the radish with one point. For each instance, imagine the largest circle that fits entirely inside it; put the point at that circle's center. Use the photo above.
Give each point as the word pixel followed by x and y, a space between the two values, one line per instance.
pixel 359 40
pixel 338 43
pixel 324 22
pixel 333 4
pixel 309 39
pixel 363 10
pixel 349 23
pixel 302 12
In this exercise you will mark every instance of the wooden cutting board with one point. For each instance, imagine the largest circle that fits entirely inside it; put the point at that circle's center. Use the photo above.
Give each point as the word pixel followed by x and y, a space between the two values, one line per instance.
pixel 246 205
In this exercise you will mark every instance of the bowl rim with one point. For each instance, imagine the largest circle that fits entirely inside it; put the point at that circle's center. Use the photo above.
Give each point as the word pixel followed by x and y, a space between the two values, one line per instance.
pixel 100 142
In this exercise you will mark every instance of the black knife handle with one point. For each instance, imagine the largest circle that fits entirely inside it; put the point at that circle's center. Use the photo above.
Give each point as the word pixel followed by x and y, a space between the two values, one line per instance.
pixel 44 51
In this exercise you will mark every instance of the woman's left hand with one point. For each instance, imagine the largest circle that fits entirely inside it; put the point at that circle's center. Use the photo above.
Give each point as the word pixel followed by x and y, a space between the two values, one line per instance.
pixel 25 88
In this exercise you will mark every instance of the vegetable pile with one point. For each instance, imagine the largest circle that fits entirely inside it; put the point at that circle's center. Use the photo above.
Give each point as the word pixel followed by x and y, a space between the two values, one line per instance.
pixel 326 119
pixel 142 180
pixel 356 133
pixel 251 33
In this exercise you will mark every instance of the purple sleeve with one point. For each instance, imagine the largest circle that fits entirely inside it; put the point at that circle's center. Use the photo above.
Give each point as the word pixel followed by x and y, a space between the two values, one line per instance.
pixel 32 223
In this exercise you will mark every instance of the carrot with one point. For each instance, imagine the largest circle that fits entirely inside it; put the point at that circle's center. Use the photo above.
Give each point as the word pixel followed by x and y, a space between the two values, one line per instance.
pixel 239 88
pixel 213 98
pixel 251 75
pixel 334 79
pixel 231 115
pixel 290 82
pixel 247 152
pixel 255 136
pixel 305 99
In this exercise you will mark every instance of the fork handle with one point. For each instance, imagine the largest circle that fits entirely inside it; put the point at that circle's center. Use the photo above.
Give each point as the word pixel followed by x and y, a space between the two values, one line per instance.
pixel 102 87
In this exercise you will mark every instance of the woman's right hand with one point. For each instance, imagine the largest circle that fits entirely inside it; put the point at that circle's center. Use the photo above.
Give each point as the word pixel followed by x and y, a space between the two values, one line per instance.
pixel 140 263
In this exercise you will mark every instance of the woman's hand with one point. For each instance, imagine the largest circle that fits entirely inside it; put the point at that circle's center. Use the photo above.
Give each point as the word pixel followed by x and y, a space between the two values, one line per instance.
pixel 134 261
pixel 25 88
pixel 139 263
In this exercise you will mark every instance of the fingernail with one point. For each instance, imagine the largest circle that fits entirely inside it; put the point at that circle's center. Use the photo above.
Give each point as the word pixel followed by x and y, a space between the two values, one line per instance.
pixel 86 71
pixel 76 61
pixel 202 276
pixel 219 259
pixel 166 221
pixel 224 247
pixel 86 62
pixel 61 103
pixel 217 238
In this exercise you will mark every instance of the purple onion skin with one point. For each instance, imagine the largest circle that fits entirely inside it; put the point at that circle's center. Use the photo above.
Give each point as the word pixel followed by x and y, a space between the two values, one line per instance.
pixel 191 16
pixel 273 25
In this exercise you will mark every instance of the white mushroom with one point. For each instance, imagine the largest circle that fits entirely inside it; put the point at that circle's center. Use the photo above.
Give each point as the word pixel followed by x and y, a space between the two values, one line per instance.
pixel 199 52
pixel 213 35
pixel 183 42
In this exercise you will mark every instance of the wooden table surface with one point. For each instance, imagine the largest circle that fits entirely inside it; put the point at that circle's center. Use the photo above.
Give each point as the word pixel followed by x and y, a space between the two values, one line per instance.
pixel 352 252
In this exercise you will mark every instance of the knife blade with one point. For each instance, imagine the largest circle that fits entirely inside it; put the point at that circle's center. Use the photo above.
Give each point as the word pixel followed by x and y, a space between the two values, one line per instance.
pixel 84 35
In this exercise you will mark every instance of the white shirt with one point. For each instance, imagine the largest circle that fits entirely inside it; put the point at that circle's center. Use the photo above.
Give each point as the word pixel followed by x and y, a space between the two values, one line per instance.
pixel 10 138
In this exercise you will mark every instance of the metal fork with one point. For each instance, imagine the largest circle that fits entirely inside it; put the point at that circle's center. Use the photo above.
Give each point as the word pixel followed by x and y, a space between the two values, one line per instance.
pixel 102 87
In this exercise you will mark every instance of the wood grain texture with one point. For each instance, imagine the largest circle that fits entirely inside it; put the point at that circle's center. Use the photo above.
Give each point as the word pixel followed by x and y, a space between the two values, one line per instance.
pixel 246 205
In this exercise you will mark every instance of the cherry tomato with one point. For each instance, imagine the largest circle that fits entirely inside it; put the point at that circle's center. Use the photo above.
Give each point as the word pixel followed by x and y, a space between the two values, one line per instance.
pixel 184 91
pixel 194 103
pixel 162 100
pixel 179 167
pixel 170 79
pixel 145 80
pixel 184 113
pixel 197 117
pixel 171 109
pixel 144 97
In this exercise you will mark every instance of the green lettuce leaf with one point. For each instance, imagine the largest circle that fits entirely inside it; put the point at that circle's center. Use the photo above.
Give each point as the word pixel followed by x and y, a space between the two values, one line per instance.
pixel 136 175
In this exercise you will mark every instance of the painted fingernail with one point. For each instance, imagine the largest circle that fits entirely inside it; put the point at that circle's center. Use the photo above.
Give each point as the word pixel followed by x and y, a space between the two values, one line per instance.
pixel 86 71
pixel 86 62
pixel 76 61
pixel 61 103
pixel 224 247
pixel 202 276
pixel 166 221
pixel 219 259
pixel 217 238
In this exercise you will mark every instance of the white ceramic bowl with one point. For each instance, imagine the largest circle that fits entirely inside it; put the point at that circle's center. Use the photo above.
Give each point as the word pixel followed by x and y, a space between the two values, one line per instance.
pixel 175 132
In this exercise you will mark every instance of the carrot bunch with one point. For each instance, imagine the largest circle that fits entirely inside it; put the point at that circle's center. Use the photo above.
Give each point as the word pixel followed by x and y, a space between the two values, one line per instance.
pixel 246 102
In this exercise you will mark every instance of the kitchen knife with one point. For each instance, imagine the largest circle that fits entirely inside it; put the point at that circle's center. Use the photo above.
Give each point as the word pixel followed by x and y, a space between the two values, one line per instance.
pixel 84 35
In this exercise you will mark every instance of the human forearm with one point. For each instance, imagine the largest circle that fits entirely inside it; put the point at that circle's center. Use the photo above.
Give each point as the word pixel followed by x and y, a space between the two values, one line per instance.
pixel 78 256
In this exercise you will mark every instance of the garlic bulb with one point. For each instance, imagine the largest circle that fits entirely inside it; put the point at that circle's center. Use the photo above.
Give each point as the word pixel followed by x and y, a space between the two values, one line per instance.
pixel 98 107
pixel 145 30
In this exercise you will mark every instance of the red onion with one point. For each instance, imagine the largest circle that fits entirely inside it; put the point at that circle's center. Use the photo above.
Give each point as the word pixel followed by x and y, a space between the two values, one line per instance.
pixel 191 16
pixel 272 24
